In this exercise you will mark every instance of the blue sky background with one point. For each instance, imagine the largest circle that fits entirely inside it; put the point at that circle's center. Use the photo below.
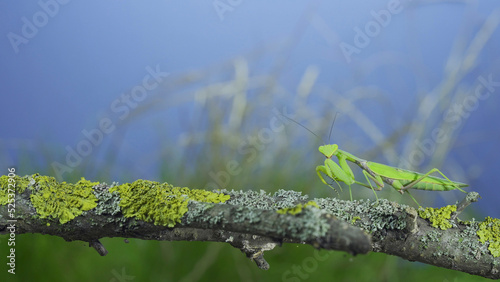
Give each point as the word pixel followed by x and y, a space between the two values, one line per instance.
pixel 65 78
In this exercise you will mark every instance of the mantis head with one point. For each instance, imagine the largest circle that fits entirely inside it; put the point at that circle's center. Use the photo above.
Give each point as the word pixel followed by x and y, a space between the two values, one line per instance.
pixel 328 150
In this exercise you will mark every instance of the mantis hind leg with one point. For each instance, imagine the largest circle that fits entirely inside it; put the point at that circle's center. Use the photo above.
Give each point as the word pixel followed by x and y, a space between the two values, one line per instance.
pixel 405 188
pixel 413 198
pixel 367 176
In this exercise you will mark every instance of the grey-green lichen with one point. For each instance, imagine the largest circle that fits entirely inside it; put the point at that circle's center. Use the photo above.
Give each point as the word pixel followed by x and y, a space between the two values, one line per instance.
pixel 160 203
pixel 376 216
pixel 265 201
pixel 433 236
pixel 108 203
pixel 439 218
pixel 52 199
pixel 197 211
pixel 469 244
pixel 489 230
pixel 310 223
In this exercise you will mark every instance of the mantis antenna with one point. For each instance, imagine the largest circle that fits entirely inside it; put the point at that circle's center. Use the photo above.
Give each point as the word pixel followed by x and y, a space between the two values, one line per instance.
pixel 331 127
pixel 329 136
pixel 297 123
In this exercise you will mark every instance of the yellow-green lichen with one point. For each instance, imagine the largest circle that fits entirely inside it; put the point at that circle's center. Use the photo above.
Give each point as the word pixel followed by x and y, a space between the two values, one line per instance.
pixel 160 203
pixel 489 230
pixel 61 200
pixel 51 199
pixel 438 217
pixel 354 219
pixel 297 209
pixel 17 184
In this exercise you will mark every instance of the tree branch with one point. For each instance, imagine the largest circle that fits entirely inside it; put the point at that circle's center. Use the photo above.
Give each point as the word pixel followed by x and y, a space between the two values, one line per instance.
pixel 250 222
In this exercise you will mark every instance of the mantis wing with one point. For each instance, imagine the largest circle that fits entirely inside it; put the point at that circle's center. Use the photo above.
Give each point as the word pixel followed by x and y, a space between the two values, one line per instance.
pixel 408 176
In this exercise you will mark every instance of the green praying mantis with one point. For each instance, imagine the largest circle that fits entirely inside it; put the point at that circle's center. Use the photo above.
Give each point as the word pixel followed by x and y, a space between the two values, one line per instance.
pixel 400 179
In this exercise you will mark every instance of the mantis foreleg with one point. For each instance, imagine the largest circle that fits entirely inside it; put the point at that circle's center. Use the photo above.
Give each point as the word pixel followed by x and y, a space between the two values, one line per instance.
pixel 335 172
pixel 347 170
pixel 323 169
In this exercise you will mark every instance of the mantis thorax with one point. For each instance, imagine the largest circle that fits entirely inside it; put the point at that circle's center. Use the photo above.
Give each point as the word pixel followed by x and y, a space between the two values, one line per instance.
pixel 328 150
